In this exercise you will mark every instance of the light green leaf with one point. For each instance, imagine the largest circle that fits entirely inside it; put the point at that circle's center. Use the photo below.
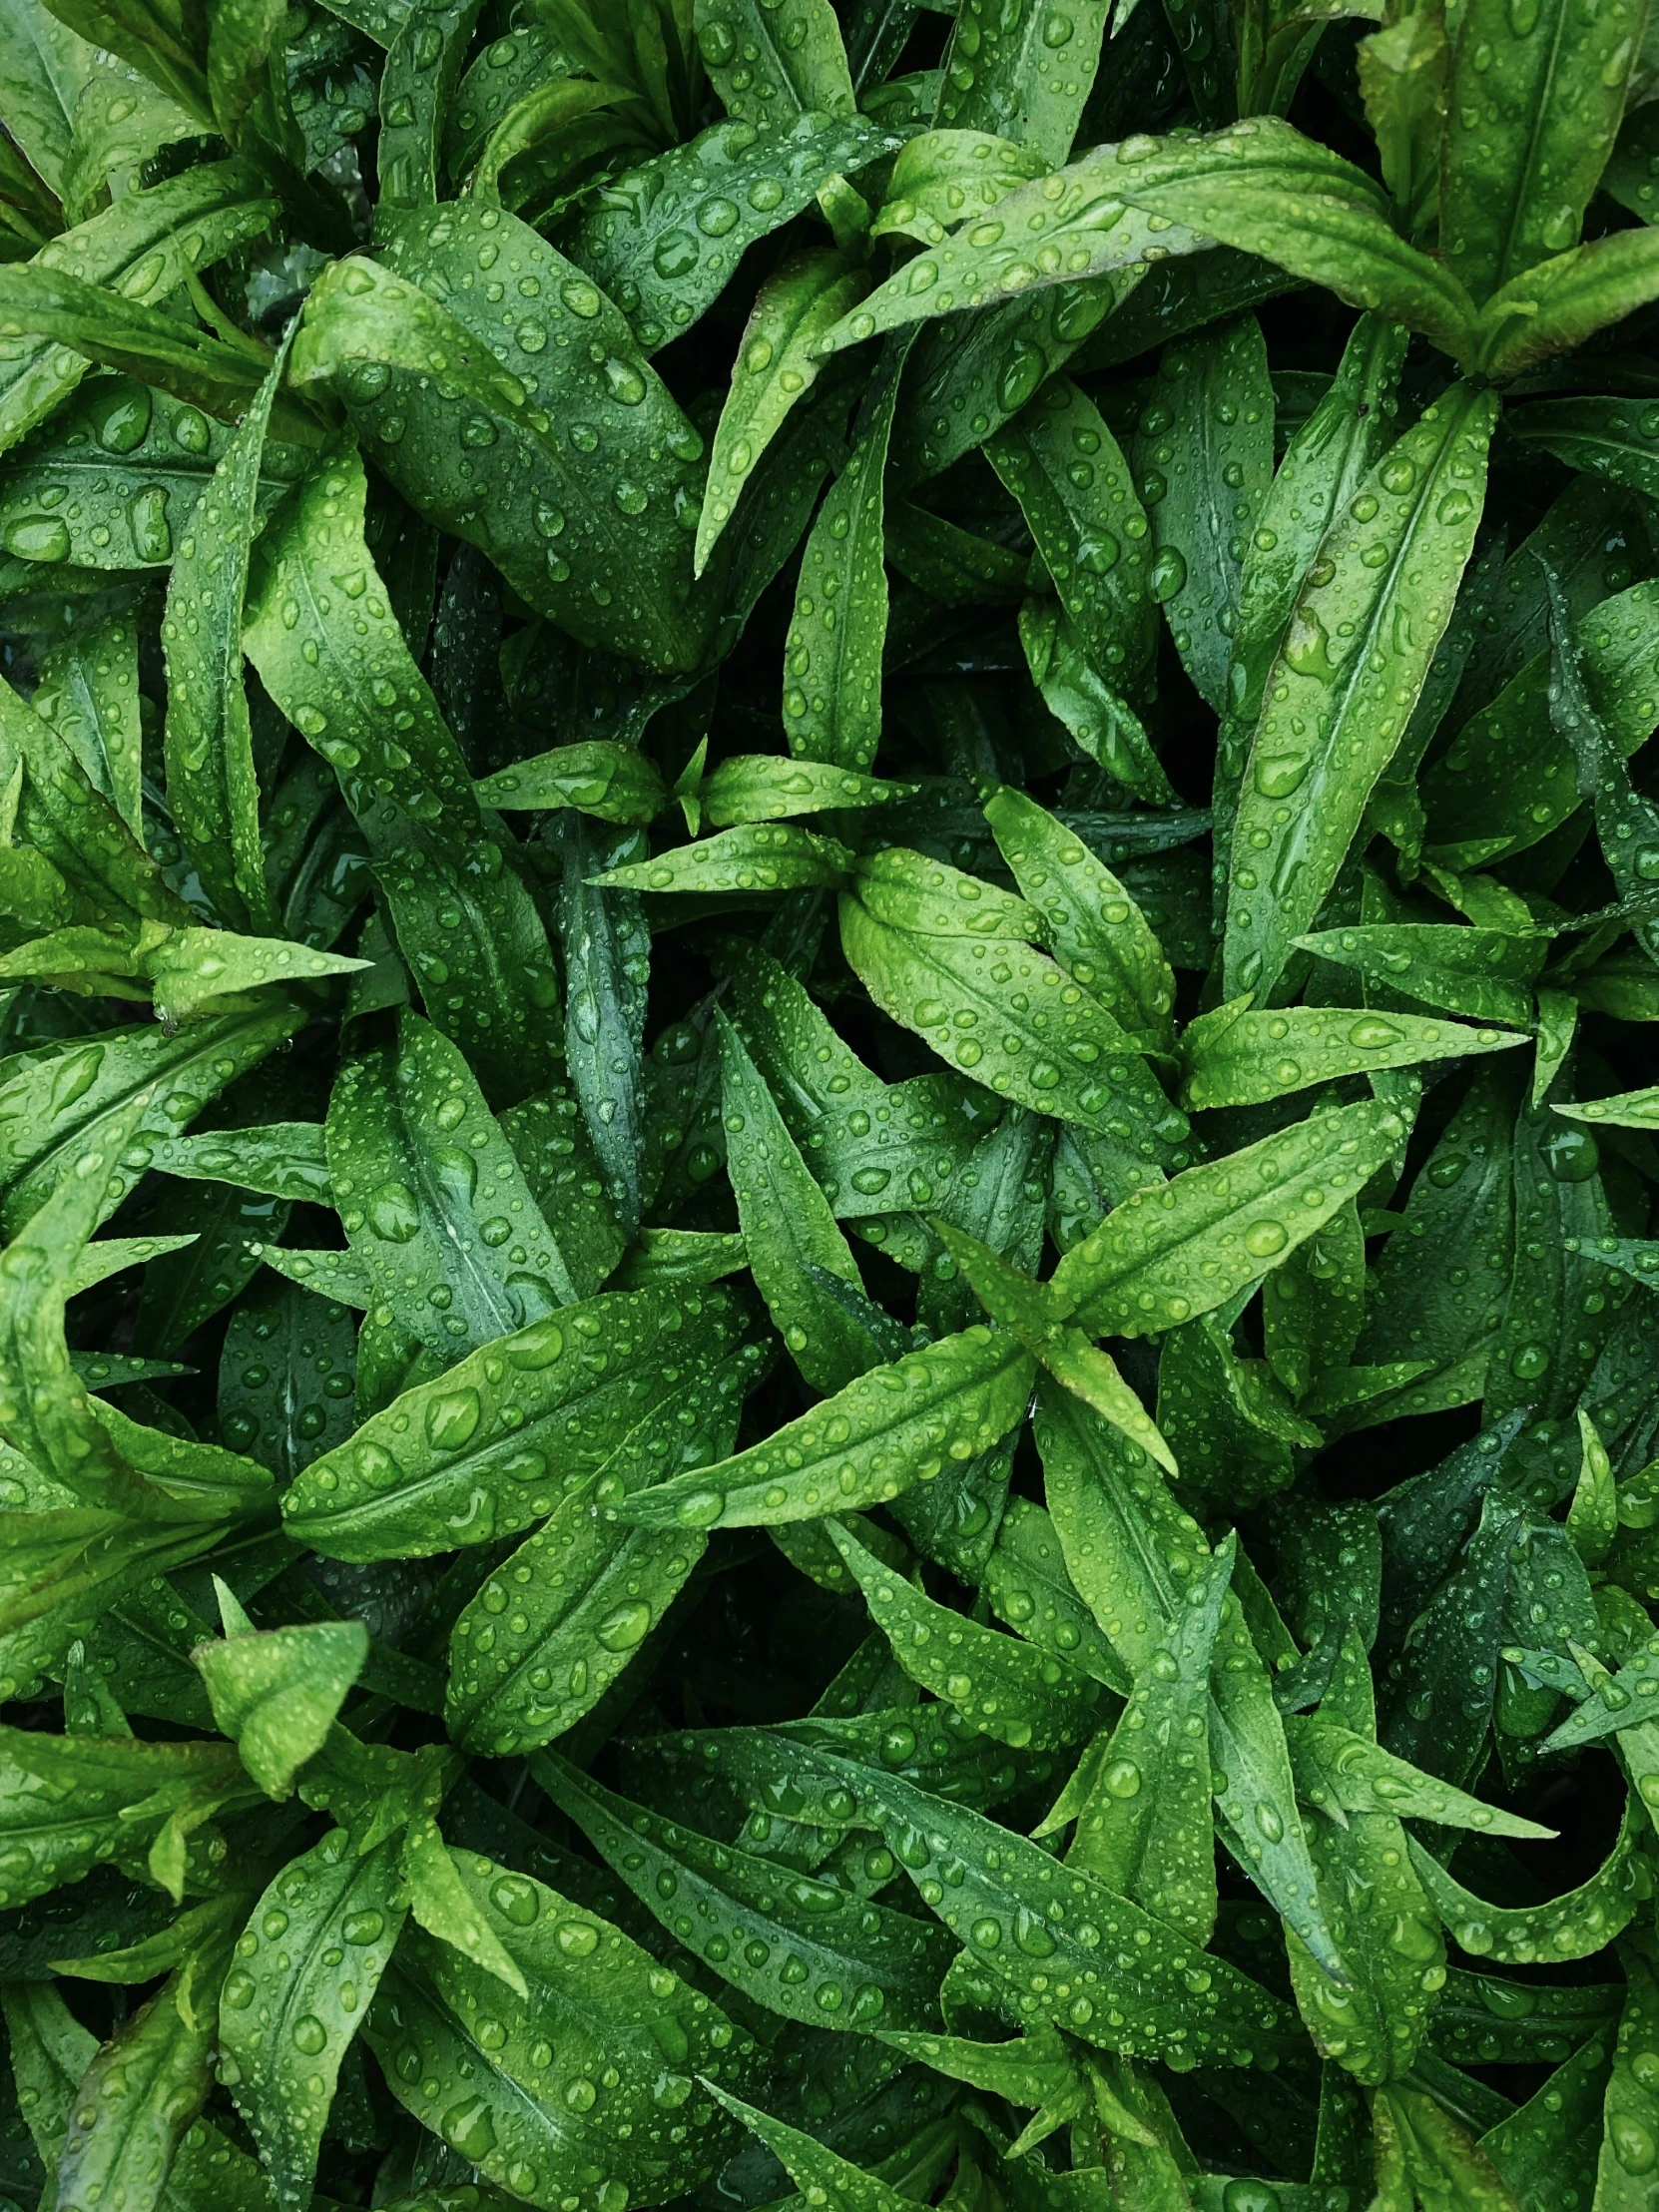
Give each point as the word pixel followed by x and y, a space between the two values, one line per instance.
pixel 445 1906
pixel 832 656
pixel 895 1426
pixel 292 2001
pixel 541 505
pixel 1022 72
pixel 432 1199
pixel 1065 468
pixel 1355 655
pixel 277 1694
pixel 213 785
pixel 1238 1058
pixel 1187 1247
pixel 1004 1688
pixel 770 64
pixel 776 366
pixel 664 240
pixel 490 1447
pixel 1532 107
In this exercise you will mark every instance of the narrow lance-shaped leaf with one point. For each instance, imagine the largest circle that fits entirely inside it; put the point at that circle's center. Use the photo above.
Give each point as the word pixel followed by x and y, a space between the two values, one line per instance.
pixel 542 505
pixel 422 69
pixel 432 1199
pixel 1065 468
pixel 292 2001
pixel 1572 1925
pixel 1066 1948
pixel 146 2086
pixel 803 1948
pixel 1205 449
pixel 770 64
pixel 1023 72
pixel 777 364
pixel 1532 107
pixel 833 657
pixel 212 785
pixel 89 689
pixel 789 1230
pixel 607 953
pixel 1144 1824
pixel 561 1619
pixel 1186 1247
pixel 489 1447
pixel 892 1427
pixel 1004 1688
pixel 1338 698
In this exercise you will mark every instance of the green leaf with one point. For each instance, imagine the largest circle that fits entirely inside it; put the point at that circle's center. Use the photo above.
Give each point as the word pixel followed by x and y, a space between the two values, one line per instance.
pixel 1185 1248
pixel 1057 1928
pixel 1238 1058
pixel 1509 777
pixel 1206 438
pixel 45 65
pixel 327 648
pixel 1143 1825
pixel 285 1158
pixel 770 63
pixel 665 238
pixel 776 365
pixel 68 1802
pixel 607 961
pixel 805 1949
pixel 432 1199
pixel 789 1230
pixel 292 2000
pixel 277 1694
pixel 422 69
pixel 601 2014
pixel 1037 1313
pixel 1024 1578
pixel 833 657
pixel 45 1412
pixel 286 1376
pixel 489 1447
pixel 89 691
pixel 895 1426
pixel 1094 928
pixel 1058 217
pixel 143 245
pixel 146 2086
pixel 1004 1688
pixel 1482 973
pixel 822 2176
pixel 1354 657
pixel 444 1905
pixel 134 464
pixel 213 784
pixel 614 782
pixel 758 857
pixel 543 506
pixel 536 1650
pixel 1571 1925
pixel 1050 1046
pixel 762 787
pixel 1532 107
pixel 1065 468
pixel 1022 72
pixel 1562 301
pixel 1341 1772
pixel 1323 466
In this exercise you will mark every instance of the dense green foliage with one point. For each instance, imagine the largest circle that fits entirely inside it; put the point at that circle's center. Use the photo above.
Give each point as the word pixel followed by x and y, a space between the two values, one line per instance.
pixel 828 902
